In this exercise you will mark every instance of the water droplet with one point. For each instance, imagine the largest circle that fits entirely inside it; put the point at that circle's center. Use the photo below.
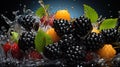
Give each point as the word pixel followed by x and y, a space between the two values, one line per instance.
pixel 111 16
pixel 6 11
pixel 72 7
pixel 33 2
pixel 20 4
pixel 110 11
pixel 109 4
pixel 51 7
pixel 74 0
pixel 8 21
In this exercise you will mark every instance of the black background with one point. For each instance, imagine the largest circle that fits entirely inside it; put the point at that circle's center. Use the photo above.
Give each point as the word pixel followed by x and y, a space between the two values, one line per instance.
pixel 107 8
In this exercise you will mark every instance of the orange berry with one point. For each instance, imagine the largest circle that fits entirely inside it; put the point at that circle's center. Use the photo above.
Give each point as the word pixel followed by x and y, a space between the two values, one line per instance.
pixel 53 34
pixel 107 52
pixel 62 14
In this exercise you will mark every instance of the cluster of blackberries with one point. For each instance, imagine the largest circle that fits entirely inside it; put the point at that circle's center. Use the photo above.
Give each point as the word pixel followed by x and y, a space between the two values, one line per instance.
pixel 70 48
pixel 28 22
pixel 76 39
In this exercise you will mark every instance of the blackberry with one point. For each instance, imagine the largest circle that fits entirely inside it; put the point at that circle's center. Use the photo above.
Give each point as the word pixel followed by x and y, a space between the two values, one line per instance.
pixel 93 41
pixel 110 35
pixel 52 51
pixel 62 27
pixel 55 50
pixel 27 21
pixel 75 54
pixel 66 41
pixel 82 26
pixel 26 40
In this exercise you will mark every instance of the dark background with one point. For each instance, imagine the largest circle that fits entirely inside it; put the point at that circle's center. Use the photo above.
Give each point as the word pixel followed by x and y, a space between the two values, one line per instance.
pixel 106 8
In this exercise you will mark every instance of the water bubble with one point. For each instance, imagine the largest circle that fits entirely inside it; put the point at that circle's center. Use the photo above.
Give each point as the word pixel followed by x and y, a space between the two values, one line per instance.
pixel 20 4
pixel 8 21
pixel 109 4
pixel 110 11
pixel 74 0
pixel 111 16
pixel 16 12
pixel 2 53
pixel 72 7
pixel 6 11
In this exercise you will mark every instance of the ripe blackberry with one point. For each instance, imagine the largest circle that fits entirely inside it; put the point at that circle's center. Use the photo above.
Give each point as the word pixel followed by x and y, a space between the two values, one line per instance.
pixel 52 51
pixel 26 40
pixel 82 26
pixel 93 41
pixel 27 21
pixel 62 27
pixel 110 35
pixel 66 41
pixel 75 54
pixel 55 50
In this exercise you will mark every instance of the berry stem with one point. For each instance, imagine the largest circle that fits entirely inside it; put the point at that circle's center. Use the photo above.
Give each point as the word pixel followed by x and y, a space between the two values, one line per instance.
pixel 100 20
pixel 42 4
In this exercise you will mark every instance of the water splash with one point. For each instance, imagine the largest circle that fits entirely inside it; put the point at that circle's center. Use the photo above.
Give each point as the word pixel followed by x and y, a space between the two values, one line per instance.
pixel 8 21
pixel 43 5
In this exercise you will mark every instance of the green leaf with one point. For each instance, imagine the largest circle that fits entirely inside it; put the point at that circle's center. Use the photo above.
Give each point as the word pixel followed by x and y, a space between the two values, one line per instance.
pixel 14 36
pixel 108 23
pixel 40 11
pixel 40 40
pixel 48 39
pixel 90 13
